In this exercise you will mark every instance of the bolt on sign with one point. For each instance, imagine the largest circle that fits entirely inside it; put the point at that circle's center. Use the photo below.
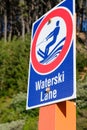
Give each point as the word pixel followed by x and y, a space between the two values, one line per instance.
pixel 52 57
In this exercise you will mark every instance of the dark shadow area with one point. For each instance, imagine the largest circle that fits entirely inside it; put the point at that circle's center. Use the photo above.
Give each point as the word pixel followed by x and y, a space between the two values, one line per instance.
pixel 62 107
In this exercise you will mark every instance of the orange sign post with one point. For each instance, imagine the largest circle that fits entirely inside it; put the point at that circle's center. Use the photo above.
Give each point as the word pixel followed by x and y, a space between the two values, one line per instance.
pixel 61 116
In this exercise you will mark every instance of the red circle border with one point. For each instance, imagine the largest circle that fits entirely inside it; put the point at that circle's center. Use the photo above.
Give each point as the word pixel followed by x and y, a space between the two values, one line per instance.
pixel 59 12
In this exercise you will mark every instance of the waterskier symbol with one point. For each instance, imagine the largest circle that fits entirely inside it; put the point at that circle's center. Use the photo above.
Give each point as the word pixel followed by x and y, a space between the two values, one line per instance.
pixel 50 63
pixel 51 39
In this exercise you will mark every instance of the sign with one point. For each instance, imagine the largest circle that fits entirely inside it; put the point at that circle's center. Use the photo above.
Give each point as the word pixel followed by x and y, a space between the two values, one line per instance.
pixel 52 57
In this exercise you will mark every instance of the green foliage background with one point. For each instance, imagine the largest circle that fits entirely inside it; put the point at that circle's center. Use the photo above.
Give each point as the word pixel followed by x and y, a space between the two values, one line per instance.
pixel 14 66
pixel 14 58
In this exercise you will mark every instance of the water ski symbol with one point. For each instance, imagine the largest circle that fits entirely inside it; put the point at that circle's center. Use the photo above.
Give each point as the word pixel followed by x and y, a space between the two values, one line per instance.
pixel 46 56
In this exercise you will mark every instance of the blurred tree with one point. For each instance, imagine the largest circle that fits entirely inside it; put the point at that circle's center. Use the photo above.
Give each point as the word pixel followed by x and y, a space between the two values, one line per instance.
pixel 17 16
